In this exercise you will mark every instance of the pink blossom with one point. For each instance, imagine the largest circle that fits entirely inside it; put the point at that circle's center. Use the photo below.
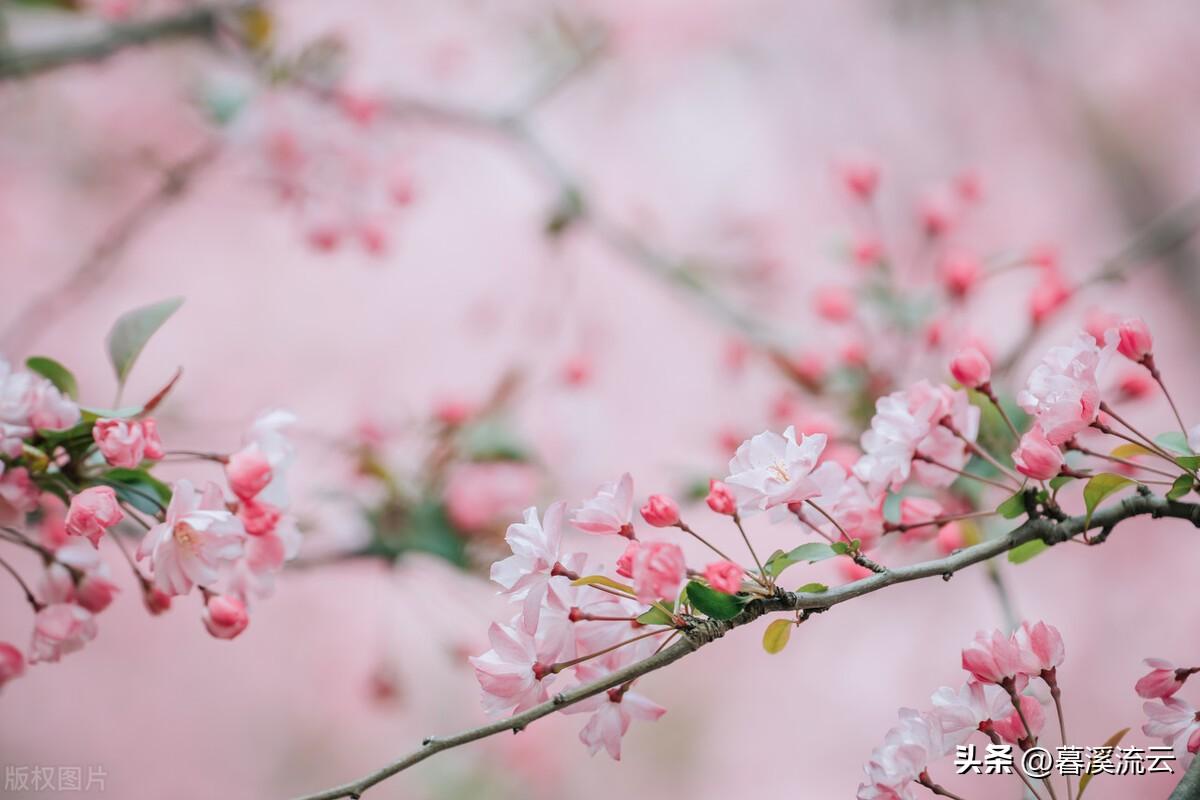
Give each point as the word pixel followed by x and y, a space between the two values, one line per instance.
pixel 860 176
pixel 1175 722
pixel 720 499
pixel 1012 728
pixel 196 541
pixel 512 675
pixel 125 443
pixel 993 658
pixel 51 410
pixel 609 511
pixel 479 494
pixel 769 470
pixel 917 513
pixel 1062 390
pixel 625 560
pixel 1163 680
pixel 156 600
pixel 52 527
pixel 248 472
pixel 268 433
pixel 658 571
pixel 950 538
pixel 835 303
pixel 12 663
pixel 906 751
pixel 971 368
pixel 612 711
pixel 1048 295
pixel 724 576
pixel 95 589
pixel 1041 646
pixel 960 272
pixel 1134 340
pixel 92 512
pixel 1036 457
pixel 59 629
pixel 19 495
pixel 1135 384
pixel 536 552
pixel 866 250
pixel 660 511
pixel 225 617
pixel 258 519
pixel 935 213
pixel 960 713
pixel 847 500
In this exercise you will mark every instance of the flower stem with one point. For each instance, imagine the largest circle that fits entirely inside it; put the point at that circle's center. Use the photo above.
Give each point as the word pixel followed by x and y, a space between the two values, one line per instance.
pixel 33 601
pixel 986 391
pixel 737 520
pixel 683 526
pixel 560 666
pixel 964 474
pixel 1056 693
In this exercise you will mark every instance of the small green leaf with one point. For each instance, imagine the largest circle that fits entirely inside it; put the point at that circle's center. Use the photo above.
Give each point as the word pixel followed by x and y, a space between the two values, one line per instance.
pixel 1060 481
pixel 657 615
pixel 1022 553
pixel 811 552
pixel 1174 440
pixel 776 636
pixel 813 588
pixel 131 332
pixel 1131 450
pixel 1182 485
pixel 840 548
pixel 1188 462
pixel 138 488
pixel 711 603
pixel 56 373
pixel 600 580
pixel 1099 487
pixel 1013 507
pixel 1113 741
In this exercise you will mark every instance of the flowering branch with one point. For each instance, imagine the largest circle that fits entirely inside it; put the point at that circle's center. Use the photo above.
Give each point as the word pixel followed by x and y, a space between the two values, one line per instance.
pixel 202 22
pixel 699 632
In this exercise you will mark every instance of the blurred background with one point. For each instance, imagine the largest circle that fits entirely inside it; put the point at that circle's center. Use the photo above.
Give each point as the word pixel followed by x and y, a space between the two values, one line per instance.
pixel 497 253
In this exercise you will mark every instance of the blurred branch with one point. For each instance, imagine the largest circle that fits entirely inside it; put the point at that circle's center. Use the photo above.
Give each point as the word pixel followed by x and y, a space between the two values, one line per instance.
pixel 201 22
pixel 699 632
pixel 46 307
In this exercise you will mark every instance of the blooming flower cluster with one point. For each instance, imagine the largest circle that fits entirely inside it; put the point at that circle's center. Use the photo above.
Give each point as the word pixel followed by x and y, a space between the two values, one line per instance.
pixel 1170 718
pixel 1011 680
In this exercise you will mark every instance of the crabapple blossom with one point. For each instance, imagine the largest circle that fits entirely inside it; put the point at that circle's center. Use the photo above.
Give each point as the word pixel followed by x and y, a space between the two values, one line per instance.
pixel 513 674
pixel 60 629
pixel 724 576
pixel 860 177
pixel 971 368
pixel 906 751
pixel 12 663
pixel 961 713
pixel 225 617
pixel 1041 645
pixel 1062 391
pixel 658 571
pixel 268 434
pixel 19 495
pixel 94 589
pixel 614 710
pixel 720 499
pixel 835 303
pixel 1048 295
pixel 1036 457
pixel 248 472
pixel 536 550
pixel 660 511
pixel 1134 340
pixel 609 510
pixel 1135 384
pixel 625 560
pixel 1163 680
pixel 1175 722
pixel 960 272
pixel 994 658
pixel 125 443
pixel 1012 728
pixel 769 470
pixel 197 538
pixel 92 512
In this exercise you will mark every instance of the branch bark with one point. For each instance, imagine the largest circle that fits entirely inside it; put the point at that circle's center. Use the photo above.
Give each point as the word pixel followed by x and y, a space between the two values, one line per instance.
pixel 700 632
pixel 202 22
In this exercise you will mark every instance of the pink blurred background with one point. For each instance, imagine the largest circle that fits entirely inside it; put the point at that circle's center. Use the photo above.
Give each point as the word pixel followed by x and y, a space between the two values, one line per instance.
pixel 709 126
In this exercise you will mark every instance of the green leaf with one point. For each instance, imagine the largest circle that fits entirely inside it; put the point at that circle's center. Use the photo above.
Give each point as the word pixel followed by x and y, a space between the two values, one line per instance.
pixel 92 414
pixel 1022 553
pixel 56 373
pixel 776 636
pixel 1112 741
pixel 138 488
pixel 1013 507
pixel 600 580
pixel 813 588
pixel 811 552
pixel 1060 481
pixel 1182 485
pixel 1188 462
pixel 839 548
pixel 657 615
pixel 712 603
pixel 1099 487
pixel 131 332
pixel 1174 440
pixel 1131 450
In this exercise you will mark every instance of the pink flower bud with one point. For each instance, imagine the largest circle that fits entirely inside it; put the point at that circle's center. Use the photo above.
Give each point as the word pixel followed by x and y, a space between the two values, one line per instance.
pixel 950 538
pixel 92 512
pixel 936 214
pixel 720 499
pixel 1163 680
pixel 724 576
pixel 625 561
pixel 153 444
pixel 860 176
pixel 992 658
pixel 1135 384
pixel 971 368
pixel 660 511
pixel 95 593
pixel 248 472
pixel 125 443
pixel 867 251
pixel 960 272
pixel 225 616
pixel 835 303
pixel 1041 646
pixel 1036 457
pixel 156 600
pixel 1047 297
pixel 658 571
pixel 1135 341
pixel 12 663
pixel 257 518
pixel 1193 742
pixel 1012 728
pixel 60 629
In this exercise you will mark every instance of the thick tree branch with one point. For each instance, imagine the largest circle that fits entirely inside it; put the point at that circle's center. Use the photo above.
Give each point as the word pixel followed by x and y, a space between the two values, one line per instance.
pixel 201 22
pixel 703 631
